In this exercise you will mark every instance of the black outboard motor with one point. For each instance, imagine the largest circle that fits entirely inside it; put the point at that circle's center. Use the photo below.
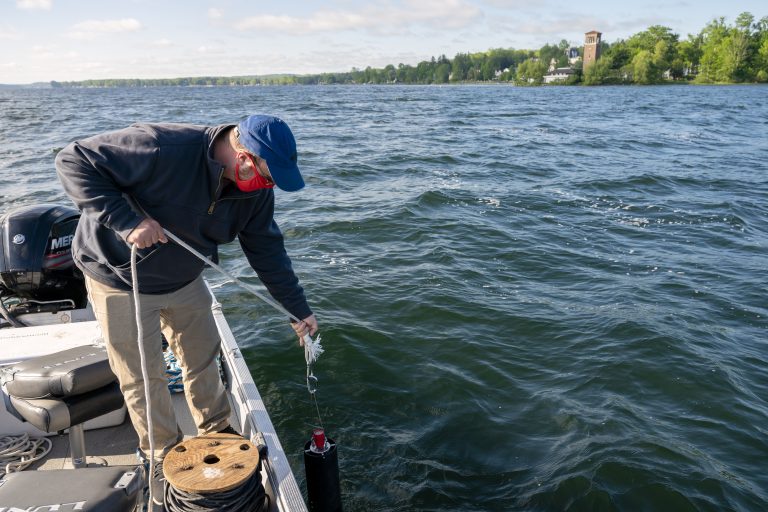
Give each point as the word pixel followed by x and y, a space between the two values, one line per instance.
pixel 36 266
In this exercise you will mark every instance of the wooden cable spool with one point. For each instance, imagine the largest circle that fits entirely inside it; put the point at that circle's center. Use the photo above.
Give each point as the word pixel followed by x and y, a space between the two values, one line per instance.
pixel 210 463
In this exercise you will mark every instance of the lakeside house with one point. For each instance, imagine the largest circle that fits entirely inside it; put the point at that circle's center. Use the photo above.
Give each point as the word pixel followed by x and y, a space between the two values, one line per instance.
pixel 555 74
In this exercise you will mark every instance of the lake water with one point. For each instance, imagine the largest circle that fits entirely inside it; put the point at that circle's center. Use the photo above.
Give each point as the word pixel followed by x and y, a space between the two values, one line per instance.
pixel 535 299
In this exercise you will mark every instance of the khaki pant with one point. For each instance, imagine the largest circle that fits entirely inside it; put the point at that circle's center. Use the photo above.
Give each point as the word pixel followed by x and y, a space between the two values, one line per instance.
pixel 185 318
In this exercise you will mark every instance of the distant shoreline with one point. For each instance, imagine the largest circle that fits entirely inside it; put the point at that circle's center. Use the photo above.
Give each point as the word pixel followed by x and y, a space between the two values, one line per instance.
pixel 48 86
pixel 721 54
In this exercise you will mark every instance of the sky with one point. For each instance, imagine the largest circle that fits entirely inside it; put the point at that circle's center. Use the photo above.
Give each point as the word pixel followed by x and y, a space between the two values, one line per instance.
pixel 44 40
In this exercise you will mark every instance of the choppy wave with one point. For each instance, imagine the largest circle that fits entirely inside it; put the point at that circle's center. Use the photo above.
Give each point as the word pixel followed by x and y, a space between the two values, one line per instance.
pixel 531 299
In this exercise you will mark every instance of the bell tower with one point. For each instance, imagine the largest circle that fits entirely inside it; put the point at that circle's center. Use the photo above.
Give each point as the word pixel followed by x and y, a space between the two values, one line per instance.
pixel 591 47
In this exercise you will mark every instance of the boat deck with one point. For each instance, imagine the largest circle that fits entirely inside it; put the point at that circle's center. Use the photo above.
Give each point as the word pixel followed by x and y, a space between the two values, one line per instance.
pixel 116 445
pixel 112 446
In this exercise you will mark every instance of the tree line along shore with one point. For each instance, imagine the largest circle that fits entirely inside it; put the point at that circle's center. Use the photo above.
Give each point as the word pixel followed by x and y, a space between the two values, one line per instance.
pixel 720 53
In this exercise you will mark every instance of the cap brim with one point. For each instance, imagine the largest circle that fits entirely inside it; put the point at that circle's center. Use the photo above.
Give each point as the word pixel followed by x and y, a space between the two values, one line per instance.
pixel 286 178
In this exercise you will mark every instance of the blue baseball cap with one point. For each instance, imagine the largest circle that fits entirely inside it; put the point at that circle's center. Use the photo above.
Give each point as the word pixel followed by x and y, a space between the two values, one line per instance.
pixel 270 138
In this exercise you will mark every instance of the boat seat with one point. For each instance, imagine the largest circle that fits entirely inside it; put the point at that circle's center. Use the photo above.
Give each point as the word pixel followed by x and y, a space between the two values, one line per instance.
pixel 66 373
pixel 62 391
pixel 57 414
pixel 98 489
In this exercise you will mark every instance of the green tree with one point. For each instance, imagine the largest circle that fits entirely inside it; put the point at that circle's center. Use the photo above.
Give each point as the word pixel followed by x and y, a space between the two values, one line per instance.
pixel 578 73
pixel 761 52
pixel 660 43
pixel 459 67
pixel 647 39
pixel 531 72
pixel 599 72
pixel 497 60
pixel 712 37
pixel 620 54
pixel 389 73
pixel 442 73
pixel 689 53
pixel 549 52
pixel 644 70
pixel 425 71
pixel 487 71
pixel 736 49
pixel 663 54
pixel 730 54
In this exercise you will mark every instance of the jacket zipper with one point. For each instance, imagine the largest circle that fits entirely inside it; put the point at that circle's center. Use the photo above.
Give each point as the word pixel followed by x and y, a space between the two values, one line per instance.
pixel 216 194
pixel 212 206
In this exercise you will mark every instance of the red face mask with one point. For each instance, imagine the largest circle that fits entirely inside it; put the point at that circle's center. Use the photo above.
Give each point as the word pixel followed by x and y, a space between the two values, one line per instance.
pixel 254 183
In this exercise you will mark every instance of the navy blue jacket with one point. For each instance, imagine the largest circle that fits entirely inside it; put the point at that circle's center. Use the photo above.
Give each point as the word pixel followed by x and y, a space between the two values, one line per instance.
pixel 167 171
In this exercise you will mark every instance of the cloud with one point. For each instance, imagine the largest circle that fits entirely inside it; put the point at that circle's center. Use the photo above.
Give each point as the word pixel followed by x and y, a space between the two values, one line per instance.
pixel 561 26
pixel 320 22
pixel 578 25
pixel 214 13
pixel 211 50
pixel 640 24
pixel 516 3
pixel 92 28
pixel 34 5
pixel 43 51
pixel 386 17
pixel 7 32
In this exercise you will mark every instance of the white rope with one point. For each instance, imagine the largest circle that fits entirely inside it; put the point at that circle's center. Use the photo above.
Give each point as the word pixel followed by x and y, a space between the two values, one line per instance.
pixel 312 348
pixel 18 452
pixel 144 372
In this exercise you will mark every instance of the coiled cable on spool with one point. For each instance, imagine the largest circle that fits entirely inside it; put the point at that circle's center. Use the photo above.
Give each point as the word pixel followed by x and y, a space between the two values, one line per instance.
pixel 248 497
